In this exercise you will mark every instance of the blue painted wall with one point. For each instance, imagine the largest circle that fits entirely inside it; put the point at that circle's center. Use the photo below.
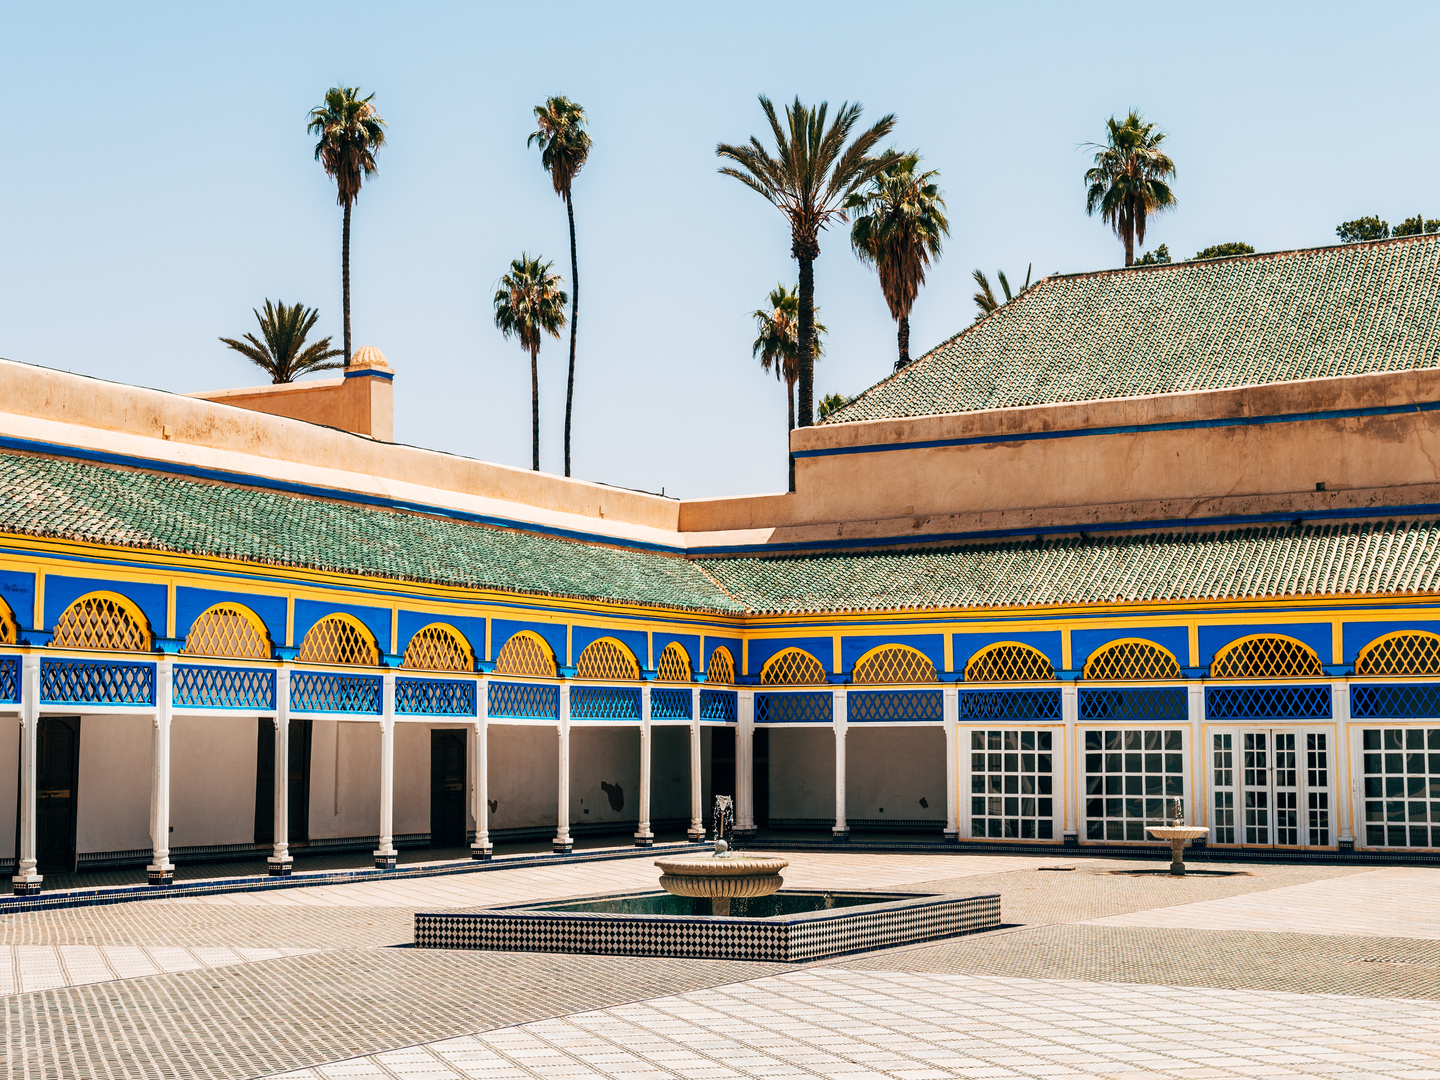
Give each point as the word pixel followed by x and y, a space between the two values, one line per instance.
pixel 62 591
pixel 1356 635
pixel 1047 641
pixel 309 612
pixel 822 648
pixel 502 630
pixel 689 642
pixel 1176 639
pixel 17 590
pixel 712 642
pixel 637 641
pixel 190 603
pixel 1214 638
pixel 471 627
pixel 932 645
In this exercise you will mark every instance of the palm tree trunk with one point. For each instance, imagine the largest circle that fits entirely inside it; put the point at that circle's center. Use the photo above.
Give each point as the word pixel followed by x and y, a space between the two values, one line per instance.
pixel 790 409
pixel 345 278
pixel 535 409
pixel 903 336
pixel 806 407
pixel 574 314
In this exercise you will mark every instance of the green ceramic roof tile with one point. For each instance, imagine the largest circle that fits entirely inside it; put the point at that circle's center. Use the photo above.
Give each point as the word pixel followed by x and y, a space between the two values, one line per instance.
pixel 75 501
pixel 1350 559
pixel 1189 326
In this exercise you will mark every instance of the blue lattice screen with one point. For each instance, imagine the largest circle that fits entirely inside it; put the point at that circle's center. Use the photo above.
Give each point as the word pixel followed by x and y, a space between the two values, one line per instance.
pixel 312 691
pixel 524 701
pixel 872 706
pixel 719 705
pixel 1139 703
pixel 1009 704
pixel 9 679
pixel 605 703
pixel 1395 701
pixel 814 708
pixel 200 686
pixel 669 704
pixel 1267 702
pixel 435 697
pixel 97 682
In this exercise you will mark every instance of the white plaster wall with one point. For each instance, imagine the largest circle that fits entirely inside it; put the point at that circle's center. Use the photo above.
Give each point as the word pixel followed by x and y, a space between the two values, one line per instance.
pixel 9 784
pixel 212 779
pixel 669 773
pixel 802 773
pixel 349 750
pixel 608 755
pixel 412 779
pixel 891 770
pixel 113 811
pixel 524 764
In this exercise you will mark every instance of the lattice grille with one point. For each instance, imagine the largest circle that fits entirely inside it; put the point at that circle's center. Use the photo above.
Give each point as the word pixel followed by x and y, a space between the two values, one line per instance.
pixel 101 621
pixel 1010 705
pixel 894 664
pixel 1266 656
pixel 1009 662
pixel 339 639
pixel 435 697
pixel 1268 703
pixel 882 705
pixel 1132 659
pixel 669 704
pixel 606 659
pixel 794 708
pixel 605 703
pixel 1140 704
pixel 1412 653
pixel 674 665
pixel 722 667
pixel 1395 701
pixel 227 630
pixel 792 667
pixel 719 705
pixel 9 634
pixel 438 647
pixel 202 687
pixel 526 654
pixel 524 701
pixel 314 692
pixel 97 683
pixel 9 679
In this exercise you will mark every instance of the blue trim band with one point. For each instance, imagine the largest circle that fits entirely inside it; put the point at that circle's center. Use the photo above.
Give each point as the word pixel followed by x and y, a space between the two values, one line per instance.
pixel 371 373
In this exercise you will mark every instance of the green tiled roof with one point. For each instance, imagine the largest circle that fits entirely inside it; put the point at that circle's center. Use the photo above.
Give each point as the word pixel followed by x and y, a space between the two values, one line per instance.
pixel 1190 326
pixel 1357 558
pixel 75 501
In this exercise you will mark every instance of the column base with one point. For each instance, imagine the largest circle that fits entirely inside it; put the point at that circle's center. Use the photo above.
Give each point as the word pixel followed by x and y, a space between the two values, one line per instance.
pixel 840 832
pixel 697 833
pixel 562 845
pixel 279 867
pixel 1072 839
pixel 1346 847
pixel 745 834
pixel 28 886
pixel 644 839
pixel 160 875
pixel 384 860
pixel 482 852
pixel 952 837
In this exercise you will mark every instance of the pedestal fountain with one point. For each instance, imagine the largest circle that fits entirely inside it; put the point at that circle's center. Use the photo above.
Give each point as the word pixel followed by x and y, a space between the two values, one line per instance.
pixel 1178 834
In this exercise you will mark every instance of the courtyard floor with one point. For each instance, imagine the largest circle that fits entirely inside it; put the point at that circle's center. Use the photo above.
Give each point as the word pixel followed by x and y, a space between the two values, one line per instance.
pixel 1105 968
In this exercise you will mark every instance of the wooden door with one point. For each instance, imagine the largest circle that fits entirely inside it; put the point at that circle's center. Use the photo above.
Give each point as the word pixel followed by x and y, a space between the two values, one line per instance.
pixel 448 782
pixel 57 774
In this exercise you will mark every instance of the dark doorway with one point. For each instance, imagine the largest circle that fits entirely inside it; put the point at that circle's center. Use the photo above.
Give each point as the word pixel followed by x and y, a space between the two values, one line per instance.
pixel 448 775
pixel 762 778
pixel 299 795
pixel 722 764
pixel 57 772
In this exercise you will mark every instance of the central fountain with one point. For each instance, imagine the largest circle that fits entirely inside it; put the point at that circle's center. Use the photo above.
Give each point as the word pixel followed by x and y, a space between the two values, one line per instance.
pixel 1178 834
pixel 724 875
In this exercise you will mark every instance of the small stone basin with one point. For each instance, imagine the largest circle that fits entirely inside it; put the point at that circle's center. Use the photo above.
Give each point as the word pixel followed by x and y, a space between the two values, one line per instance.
pixel 721 877
pixel 1177 835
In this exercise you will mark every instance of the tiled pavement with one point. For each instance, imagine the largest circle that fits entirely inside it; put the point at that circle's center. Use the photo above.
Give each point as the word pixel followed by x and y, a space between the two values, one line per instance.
pixel 1242 951
pixel 26 968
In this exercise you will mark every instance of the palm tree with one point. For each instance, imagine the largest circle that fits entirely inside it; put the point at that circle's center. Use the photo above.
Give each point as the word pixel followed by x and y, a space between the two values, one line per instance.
pixel 899 228
pixel 283 355
pixel 985 299
pixel 1127 183
pixel 808 178
pixel 528 303
pixel 350 132
pixel 564 146
pixel 777 343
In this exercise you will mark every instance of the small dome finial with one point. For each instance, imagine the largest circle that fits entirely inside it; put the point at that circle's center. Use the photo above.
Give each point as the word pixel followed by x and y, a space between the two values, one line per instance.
pixel 368 356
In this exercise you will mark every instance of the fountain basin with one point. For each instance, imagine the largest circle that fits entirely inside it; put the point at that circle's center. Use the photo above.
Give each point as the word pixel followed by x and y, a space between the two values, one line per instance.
pixel 1177 836
pixel 722 877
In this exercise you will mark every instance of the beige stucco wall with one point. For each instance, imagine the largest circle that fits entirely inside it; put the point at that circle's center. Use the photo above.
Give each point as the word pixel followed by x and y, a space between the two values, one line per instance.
pixel 670 773
pixel 360 404
pixel 113 810
pixel 802 773
pixel 604 755
pixel 350 750
pixel 212 780
pixel 889 770
pixel 9 783
pixel 523 770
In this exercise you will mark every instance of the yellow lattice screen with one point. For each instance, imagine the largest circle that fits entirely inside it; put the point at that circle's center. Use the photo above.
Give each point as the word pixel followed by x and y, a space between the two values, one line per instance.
pixel 102 621
pixel 894 664
pixel 792 667
pixel 339 639
pixel 606 659
pixel 228 630
pixel 8 633
pixel 1407 653
pixel 1266 656
pixel 439 647
pixel 674 665
pixel 1132 659
pixel 526 654
pixel 1009 661
pixel 722 667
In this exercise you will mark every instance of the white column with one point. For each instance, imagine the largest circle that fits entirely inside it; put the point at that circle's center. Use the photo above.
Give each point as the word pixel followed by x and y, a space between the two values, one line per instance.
pixel 1197 811
pixel 26 881
pixel 481 849
pixel 840 721
pixel 643 836
pixel 1070 714
pixel 161 870
pixel 697 812
pixel 1342 795
pixel 563 844
pixel 950 713
pixel 744 763
pixel 385 855
pixel 280 861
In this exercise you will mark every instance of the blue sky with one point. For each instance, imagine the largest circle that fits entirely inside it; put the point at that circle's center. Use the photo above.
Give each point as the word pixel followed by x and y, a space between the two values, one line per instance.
pixel 156 183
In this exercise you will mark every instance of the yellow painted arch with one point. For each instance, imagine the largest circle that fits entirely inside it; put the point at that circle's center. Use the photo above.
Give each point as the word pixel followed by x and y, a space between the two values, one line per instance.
pixel 1403 652
pixel 438 646
pixel 207 630
pixel 1009 661
pixel 1266 656
pixel 607 658
pixel 526 653
pixel 103 620
pixel 1124 658
pixel 339 638
pixel 792 667
pixel 876 667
